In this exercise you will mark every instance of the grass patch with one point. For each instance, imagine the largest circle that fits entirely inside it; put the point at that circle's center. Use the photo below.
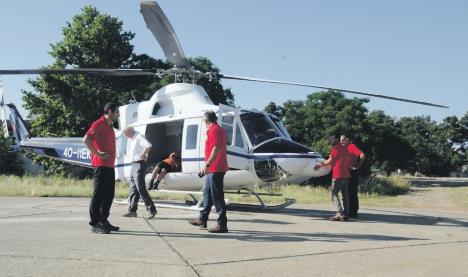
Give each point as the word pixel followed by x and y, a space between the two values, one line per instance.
pixel 44 186
pixel 394 185
pixel 459 195
pixel 50 186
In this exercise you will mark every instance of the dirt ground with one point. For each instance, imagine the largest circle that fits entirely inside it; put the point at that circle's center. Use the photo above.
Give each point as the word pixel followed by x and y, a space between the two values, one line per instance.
pixel 437 194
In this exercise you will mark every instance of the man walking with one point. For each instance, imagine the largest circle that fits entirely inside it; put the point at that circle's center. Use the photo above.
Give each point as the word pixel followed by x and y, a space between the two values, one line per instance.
pixel 214 169
pixel 357 158
pixel 100 140
pixel 340 175
pixel 139 148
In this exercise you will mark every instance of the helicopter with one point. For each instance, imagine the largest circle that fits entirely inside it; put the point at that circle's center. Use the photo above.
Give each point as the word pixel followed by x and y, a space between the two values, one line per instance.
pixel 260 150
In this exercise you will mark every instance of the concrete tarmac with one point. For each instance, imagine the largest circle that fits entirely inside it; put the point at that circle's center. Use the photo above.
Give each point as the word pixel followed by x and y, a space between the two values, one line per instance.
pixel 51 237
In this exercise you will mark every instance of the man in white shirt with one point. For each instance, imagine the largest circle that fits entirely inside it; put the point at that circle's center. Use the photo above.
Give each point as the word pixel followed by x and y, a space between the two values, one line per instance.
pixel 138 149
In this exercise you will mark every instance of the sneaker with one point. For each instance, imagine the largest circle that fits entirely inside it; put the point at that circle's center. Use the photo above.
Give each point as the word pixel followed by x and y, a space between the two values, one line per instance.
pixel 218 229
pixel 100 229
pixel 152 215
pixel 198 222
pixel 110 226
pixel 336 217
pixel 130 214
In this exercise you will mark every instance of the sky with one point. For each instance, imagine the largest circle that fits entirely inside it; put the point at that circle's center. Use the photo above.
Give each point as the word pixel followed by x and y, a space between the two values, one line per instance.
pixel 410 49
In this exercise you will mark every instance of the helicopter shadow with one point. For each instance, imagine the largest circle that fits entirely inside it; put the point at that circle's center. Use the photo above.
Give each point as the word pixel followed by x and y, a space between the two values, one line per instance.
pixel 379 217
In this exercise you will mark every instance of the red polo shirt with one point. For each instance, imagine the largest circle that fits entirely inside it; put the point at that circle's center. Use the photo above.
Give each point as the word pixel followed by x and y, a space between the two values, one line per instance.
pixel 216 136
pixel 354 153
pixel 103 137
pixel 340 167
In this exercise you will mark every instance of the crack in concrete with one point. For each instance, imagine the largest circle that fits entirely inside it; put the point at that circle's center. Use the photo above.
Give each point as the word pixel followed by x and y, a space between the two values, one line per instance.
pixel 330 252
pixel 85 260
pixel 188 264
pixel 24 215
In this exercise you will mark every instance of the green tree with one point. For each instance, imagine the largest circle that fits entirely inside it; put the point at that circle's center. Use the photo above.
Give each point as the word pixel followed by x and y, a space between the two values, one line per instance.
pixel 388 151
pixel 274 109
pixel 431 142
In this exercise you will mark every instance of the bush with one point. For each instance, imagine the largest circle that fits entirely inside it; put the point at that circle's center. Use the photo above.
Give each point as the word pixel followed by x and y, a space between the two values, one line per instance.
pixel 386 186
pixel 9 160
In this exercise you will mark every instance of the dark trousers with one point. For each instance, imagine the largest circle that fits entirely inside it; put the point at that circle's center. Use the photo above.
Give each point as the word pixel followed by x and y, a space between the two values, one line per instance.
pixel 353 188
pixel 213 193
pixel 103 194
pixel 138 188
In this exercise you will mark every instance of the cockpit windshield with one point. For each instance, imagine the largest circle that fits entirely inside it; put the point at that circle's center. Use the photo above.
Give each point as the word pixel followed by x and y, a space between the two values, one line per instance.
pixel 258 127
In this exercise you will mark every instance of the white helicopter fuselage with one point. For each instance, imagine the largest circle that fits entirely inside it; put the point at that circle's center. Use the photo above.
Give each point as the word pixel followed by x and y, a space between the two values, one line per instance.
pixel 259 148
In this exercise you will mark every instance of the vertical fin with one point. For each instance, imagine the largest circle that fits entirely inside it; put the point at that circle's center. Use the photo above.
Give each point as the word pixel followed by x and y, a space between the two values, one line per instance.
pixel 3 118
pixel 20 131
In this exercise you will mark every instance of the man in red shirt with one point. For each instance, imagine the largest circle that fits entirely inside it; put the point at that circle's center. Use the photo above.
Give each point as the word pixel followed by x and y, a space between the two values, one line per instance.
pixel 357 158
pixel 100 140
pixel 340 175
pixel 214 169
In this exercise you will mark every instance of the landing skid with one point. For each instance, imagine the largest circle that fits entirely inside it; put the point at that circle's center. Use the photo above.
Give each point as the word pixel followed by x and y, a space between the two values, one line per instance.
pixel 262 206
pixel 195 203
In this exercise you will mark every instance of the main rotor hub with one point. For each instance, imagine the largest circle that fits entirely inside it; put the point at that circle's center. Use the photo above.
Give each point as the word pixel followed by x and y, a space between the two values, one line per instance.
pixel 185 75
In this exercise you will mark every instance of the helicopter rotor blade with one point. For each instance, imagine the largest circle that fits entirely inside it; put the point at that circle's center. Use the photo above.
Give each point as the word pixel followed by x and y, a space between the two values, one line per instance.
pixel 159 25
pixel 322 87
pixel 95 71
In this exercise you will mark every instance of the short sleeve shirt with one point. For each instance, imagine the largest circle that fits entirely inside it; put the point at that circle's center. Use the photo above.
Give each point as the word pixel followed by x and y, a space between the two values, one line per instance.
pixel 103 137
pixel 340 167
pixel 137 145
pixel 354 153
pixel 216 136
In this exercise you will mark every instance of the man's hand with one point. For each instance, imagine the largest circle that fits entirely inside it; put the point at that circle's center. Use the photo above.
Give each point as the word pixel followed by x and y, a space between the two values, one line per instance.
pixel 143 157
pixel 204 170
pixel 317 166
pixel 103 155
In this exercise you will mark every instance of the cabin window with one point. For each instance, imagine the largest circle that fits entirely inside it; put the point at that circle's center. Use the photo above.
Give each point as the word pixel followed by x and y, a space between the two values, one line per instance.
pixel 239 140
pixel 191 141
pixel 227 122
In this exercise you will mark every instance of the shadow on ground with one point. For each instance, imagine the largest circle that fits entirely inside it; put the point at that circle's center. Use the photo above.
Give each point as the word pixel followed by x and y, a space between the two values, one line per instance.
pixel 269 236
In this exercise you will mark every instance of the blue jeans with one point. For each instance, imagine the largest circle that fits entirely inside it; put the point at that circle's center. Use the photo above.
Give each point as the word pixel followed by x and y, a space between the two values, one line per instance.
pixel 213 193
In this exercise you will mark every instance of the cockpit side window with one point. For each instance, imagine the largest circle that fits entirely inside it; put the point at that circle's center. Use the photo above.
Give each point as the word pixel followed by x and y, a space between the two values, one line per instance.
pixel 280 126
pixel 258 127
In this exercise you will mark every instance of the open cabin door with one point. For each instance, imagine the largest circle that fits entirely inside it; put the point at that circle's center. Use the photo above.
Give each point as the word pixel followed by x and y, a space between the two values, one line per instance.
pixel 192 155
pixel 228 118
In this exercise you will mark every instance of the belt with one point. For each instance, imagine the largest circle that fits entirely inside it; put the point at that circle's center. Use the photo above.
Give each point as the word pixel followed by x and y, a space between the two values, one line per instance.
pixel 138 162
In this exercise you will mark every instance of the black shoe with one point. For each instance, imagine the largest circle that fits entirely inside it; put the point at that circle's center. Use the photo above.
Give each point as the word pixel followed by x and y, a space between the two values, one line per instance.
pixel 100 229
pixel 152 215
pixel 353 215
pixel 110 226
pixel 130 214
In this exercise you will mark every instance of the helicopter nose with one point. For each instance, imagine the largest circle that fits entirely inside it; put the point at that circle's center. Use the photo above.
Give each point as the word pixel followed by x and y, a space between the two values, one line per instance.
pixel 303 166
